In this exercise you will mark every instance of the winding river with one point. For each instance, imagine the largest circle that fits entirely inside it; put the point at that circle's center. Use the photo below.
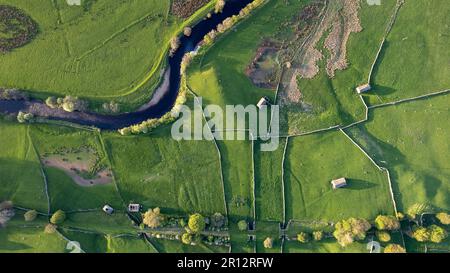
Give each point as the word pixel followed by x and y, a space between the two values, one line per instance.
pixel 163 98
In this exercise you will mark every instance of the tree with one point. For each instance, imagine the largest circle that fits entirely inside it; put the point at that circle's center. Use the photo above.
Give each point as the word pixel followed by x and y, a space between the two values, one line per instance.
pixel 6 212
pixel 437 234
pixel 50 228
pixel 186 238
pixel 217 220
pixel 196 223
pixel 51 102
pixel 174 44
pixel 444 218
pixel 24 117
pixel 421 234
pixel 242 225
pixel 69 104
pixel 318 235
pixel 400 216
pixel 418 209
pixel 219 6
pixel 383 236
pixel 153 218
pixel 30 215
pixel 394 248
pixel 303 237
pixel 268 242
pixel 187 31
pixel 346 231
pixel 111 107
pixel 58 217
pixel 387 222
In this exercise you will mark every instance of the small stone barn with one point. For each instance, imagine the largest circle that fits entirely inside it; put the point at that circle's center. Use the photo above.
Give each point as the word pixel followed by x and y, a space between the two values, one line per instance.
pixel 263 101
pixel 339 183
pixel 363 88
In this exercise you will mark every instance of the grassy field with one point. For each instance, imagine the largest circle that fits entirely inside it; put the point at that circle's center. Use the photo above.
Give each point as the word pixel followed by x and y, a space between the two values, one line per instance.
pixel 334 101
pixel 268 183
pixel 100 50
pixel 30 240
pixel 266 230
pixel 157 171
pixel 169 246
pixel 415 58
pixel 52 139
pixel 325 246
pixel 218 76
pixel 106 50
pixel 20 177
pixel 100 222
pixel 238 177
pixel 411 140
pixel 313 161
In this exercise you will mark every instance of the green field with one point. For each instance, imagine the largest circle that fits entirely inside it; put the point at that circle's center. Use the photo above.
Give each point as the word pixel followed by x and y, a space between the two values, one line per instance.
pixel 313 161
pixel 334 101
pixel 115 50
pixel 238 178
pixel 30 240
pixel 49 139
pixel 268 183
pixel 415 59
pixel 411 140
pixel 20 180
pixel 101 50
pixel 157 171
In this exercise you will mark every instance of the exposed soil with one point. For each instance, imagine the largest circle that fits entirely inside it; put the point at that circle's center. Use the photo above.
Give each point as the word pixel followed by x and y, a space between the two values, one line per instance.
pixel 344 24
pixel 80 166
pixel 302 57
pixel 264 68
pixel 185 8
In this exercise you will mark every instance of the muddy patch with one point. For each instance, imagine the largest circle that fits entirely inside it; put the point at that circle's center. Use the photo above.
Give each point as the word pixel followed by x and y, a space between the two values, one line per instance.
pixel 345 22
pixel 82 165
pixel 264 68
pixel 340 20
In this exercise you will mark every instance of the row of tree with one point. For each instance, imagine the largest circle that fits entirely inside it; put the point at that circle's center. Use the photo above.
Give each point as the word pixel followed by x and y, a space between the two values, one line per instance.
pixel 230 22
pixel 68 103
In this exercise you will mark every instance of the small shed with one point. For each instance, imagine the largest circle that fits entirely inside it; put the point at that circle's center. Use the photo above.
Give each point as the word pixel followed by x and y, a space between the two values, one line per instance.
pixel 262 102
pixel 134 207
pixel 108 209
pixel 339 183
pixel 363 88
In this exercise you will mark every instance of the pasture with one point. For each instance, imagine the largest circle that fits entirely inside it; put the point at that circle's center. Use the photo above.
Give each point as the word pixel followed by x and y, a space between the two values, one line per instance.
pixel 104 50
pixel 411 140
pixel 313 161
pixel 415 58
pixel 157 171
pixel 101 50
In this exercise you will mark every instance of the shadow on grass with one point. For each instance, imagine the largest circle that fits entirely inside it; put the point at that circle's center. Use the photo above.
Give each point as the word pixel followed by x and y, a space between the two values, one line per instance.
pixel 357 184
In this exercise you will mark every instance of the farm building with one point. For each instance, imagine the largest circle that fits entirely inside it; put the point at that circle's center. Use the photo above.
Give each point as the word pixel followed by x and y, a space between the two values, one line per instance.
pixel 363 88
pixel 108 209
pixel 134 207
pixel 339 183
pixel 263 101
